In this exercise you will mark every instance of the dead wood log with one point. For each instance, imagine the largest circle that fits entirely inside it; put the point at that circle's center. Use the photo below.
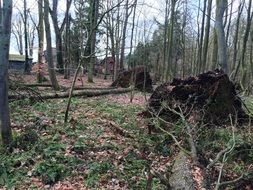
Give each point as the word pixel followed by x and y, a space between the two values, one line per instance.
pixel 37 85
pixel 84 93
pixel 65 88
pixel 93 88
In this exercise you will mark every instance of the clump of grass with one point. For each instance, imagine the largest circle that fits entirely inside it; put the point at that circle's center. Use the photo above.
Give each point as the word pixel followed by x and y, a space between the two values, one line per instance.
pixel 50 172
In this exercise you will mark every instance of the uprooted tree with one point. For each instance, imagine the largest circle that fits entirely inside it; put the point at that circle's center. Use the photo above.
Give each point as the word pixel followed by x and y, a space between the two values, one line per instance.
pixel 200 115
pixel 139 77
pixel 210 97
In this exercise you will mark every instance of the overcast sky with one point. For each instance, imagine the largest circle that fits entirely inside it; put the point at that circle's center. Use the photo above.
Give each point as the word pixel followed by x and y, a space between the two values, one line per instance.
pixel 147 10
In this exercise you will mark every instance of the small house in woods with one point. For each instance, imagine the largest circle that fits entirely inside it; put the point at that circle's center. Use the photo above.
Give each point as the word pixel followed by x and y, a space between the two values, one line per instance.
pixel 17 62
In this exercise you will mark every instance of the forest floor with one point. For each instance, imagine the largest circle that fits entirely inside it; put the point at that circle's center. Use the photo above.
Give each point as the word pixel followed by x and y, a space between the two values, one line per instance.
pixel 99 82
pixel 105 144
pixel 102 147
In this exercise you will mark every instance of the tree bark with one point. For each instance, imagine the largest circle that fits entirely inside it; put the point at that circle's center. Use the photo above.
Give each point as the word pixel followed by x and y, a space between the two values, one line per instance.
pixel 27 66
pixel 51 70
pixel 5 32
pixel 214 51
pixel 67 50
pixel 235 41
pixel 245 40
pixel 93 19
pixel 171 34
pixel 85 93
pixel 219 27
pixel 207 31
pixel 165 37
pixel 123 43
pixel 200 49
pixel 229 21
pixel 41 41
pixel 58 32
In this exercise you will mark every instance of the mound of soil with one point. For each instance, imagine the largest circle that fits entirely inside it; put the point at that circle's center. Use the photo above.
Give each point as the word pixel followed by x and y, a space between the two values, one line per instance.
pixel 209 97
pixel 141 78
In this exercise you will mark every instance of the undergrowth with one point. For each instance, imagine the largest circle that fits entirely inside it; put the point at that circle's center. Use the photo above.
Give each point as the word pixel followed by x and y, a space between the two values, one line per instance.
pixel 45 151
pixel 90 152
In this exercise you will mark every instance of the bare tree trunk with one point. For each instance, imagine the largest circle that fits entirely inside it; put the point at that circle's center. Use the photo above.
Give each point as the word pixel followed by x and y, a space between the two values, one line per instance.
pixel 5 32
pixel 117 43
pixel 219 28
pixel 184 40
pixel 93 19
pixel 51 70
pixel 229 21
pixel 58 31
pixel 235 45
pixel 123 43
pixel 106 54
pixel 251 53
pixel 131 49
pixel 41 41
pixel 31 37
pixel 170 47
pixel 27 66
pixel 214 51
pixel 200 49
pixel 245 40
pixel 111 34
pixel 207 31
pixel 165 38
pixel 58 36
pixel 67 50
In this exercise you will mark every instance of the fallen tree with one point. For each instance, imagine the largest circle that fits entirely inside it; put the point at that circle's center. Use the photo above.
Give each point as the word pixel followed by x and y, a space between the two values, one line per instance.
pixel 84 93
pixel 210 97
pixel 204 119
pixel 138 76
pixel 63 87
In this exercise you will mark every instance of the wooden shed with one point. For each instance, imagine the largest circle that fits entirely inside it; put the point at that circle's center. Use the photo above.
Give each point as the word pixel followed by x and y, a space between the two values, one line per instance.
pixel 17 62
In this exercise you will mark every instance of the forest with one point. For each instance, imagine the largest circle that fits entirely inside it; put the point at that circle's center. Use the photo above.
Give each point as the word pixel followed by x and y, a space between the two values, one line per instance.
pixel 126 94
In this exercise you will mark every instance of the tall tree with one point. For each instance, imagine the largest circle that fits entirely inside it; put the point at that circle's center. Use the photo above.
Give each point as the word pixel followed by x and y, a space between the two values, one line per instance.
pixel 110 25
pixel 67 49
pixel 40 40
pixel 245 40
pixel 5 32
pixel 51 70
pixel 59 30
pixel 171 34
pixel 124 31
pixel 200 43
pixel 221 6
pixel 165 36
pixel 236 34
pixel 92 33
pixel 207 31
pixel 27 65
